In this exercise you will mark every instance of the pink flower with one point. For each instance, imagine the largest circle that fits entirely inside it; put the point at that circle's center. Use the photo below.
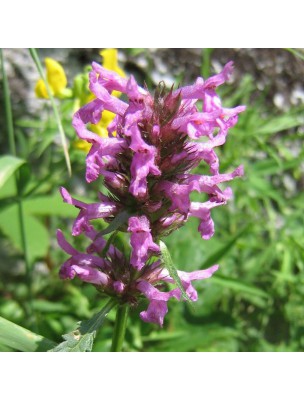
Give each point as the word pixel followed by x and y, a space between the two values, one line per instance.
pixel 141 241
pixel 88 212
pixel 154 142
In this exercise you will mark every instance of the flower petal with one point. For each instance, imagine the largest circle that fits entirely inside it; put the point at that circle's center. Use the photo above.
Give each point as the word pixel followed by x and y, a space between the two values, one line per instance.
pixel 141 241
pixel 88 211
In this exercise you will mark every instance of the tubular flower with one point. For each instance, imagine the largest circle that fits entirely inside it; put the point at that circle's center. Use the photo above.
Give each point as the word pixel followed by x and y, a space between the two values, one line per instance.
pixel 56 79
pixel 110 62
pixel 146 168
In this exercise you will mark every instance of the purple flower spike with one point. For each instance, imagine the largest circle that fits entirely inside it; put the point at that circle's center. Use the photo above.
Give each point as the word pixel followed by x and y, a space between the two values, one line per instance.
pixel 154 142
pixel 141 241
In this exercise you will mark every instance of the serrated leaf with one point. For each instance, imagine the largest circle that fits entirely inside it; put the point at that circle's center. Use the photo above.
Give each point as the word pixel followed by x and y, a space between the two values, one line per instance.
pixel 8 165
pixel 168 263
pixel 75 342
pixel 82 338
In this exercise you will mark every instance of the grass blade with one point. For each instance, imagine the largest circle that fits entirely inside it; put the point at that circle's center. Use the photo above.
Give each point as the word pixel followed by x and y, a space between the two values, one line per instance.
pixel 239 286
pixel 18 338
pixel 296 52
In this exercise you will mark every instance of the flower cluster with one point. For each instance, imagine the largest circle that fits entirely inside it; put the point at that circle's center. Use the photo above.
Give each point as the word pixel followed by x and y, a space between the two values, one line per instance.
pixel 153 143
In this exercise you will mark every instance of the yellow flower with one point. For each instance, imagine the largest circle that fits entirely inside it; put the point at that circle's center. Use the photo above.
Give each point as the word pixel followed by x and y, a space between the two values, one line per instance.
pixel 56 78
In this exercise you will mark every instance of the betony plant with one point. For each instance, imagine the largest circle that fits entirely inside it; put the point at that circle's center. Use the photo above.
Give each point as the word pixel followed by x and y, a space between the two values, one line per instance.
pixel 153 144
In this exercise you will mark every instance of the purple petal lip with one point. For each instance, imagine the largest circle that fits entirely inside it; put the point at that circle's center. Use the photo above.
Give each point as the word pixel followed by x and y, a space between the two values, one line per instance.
pixel 141 241
pixel 88 212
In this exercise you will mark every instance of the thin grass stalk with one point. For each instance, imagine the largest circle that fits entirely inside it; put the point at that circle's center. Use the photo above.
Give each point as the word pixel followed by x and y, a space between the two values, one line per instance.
pixel 36 60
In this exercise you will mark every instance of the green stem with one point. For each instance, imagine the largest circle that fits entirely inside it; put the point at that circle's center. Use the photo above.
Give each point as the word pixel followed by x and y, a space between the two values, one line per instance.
pixel 12 146
pixel 35 57
pixel 206 62
pixel 120 327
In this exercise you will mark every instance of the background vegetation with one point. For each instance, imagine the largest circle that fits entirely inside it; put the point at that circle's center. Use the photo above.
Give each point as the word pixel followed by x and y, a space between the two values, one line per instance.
pixel 253 303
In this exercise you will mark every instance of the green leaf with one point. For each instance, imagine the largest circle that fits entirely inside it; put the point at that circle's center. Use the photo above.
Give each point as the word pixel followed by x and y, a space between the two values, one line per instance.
pixel 278 124
pixel 82 339
pixel 21 339
pixel 168 263
pixel 270 167
pixel 48 138
pixel 46 306
pixel 49 205
pixel 36 234
pixel 8 165
pixel 9 189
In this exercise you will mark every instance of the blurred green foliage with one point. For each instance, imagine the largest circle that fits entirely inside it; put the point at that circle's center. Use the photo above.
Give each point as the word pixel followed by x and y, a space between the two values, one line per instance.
pixel 253 303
